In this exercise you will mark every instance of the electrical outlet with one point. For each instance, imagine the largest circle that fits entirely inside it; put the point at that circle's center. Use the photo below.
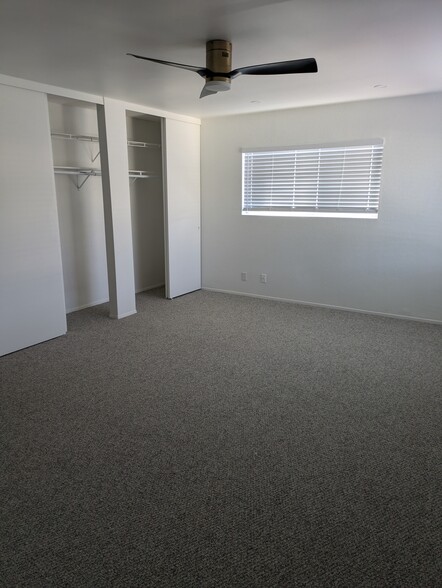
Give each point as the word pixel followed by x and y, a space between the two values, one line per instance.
pixel 244 276
pixel 263 278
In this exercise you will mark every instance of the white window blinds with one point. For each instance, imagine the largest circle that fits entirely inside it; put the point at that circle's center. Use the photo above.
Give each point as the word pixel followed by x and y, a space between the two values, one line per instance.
pixel 337 180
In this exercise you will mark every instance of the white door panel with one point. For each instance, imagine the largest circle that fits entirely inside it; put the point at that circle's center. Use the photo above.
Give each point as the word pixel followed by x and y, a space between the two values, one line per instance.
pixel 181 142
pixel 32 307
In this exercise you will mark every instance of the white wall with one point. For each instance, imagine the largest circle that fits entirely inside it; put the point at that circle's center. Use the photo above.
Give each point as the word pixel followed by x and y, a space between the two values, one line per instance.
pixel 390 265
pixel 146 196
pixel 80 212
pixel 31 287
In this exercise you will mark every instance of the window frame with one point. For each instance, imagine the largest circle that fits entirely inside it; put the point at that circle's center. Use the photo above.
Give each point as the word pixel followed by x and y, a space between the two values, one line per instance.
pixel 318 211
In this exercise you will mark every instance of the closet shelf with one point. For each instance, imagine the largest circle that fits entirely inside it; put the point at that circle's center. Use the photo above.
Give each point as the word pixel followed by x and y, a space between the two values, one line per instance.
pixel 88 172
pixel 134 173
pixel 143 144
pixel 88 138
pixel 94 139
pixel 83 138
pixel 77 170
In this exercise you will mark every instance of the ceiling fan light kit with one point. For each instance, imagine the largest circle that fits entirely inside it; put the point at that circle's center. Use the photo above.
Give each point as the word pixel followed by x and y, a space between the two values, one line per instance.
pixel 218 73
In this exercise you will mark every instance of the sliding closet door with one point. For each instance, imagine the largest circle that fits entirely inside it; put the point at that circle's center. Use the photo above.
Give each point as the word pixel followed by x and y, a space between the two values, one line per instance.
pixel 32 307
pixel 181 160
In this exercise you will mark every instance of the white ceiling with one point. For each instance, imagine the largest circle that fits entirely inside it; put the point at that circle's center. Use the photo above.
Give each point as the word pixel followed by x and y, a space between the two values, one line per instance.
pixel 358 44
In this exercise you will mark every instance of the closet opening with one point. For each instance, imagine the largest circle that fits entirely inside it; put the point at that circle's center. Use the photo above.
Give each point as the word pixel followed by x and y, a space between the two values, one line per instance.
pixel 77 167
pixel 144 134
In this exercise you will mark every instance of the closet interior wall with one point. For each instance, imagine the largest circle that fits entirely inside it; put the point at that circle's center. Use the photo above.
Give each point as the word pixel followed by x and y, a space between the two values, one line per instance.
pixel 80 210
pixel 147 208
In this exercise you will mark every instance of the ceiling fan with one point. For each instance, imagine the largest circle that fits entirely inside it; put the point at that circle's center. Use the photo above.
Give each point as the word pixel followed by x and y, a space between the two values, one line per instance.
pixel 218 73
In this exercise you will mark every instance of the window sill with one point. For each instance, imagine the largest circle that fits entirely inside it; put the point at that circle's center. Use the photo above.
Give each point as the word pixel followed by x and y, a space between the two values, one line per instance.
pixel 362 215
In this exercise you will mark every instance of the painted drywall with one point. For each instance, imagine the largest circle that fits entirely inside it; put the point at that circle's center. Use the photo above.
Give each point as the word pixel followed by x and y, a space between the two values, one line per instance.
pixel 80 212
pixel 32 307
pixel 112 131
pixel 146 198
pixel 391 265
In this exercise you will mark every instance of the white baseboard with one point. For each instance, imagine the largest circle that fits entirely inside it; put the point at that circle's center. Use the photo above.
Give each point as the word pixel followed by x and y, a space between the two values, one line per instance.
pixel 150 288
pixel 95 303
pixel 331 306
pixel 102 301
pixel 124 315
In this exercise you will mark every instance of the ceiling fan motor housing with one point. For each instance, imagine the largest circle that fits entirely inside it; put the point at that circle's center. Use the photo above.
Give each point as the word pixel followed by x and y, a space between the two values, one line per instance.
pixel 219 60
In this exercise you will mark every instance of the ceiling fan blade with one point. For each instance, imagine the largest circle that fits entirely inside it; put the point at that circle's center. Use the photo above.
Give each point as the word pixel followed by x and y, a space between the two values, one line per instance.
pixel 308 65
pixel 213 86
pixel 202 71
pixel 207 92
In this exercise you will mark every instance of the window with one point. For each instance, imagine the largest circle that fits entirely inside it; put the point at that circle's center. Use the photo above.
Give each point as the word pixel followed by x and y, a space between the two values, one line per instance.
pixel 339 181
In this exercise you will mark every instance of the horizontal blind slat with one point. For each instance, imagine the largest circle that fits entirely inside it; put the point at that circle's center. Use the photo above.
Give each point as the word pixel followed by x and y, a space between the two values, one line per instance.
pixel 338 178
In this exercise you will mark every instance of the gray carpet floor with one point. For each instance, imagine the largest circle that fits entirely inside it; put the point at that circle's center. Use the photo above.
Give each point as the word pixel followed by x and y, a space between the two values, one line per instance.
pixel 222 441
